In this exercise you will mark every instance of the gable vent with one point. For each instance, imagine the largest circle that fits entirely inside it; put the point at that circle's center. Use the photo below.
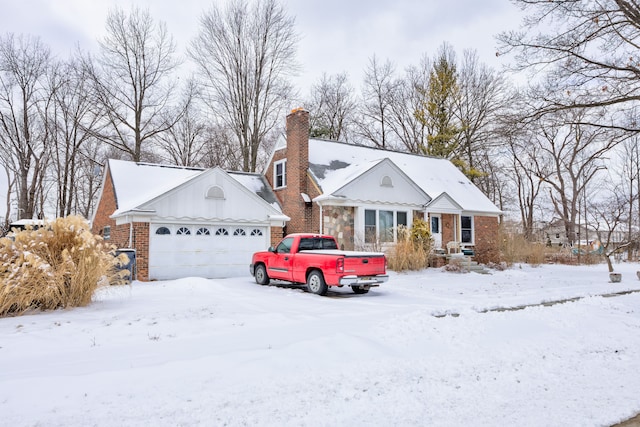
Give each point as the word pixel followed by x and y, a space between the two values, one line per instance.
pixel 386 181
pixel 215 192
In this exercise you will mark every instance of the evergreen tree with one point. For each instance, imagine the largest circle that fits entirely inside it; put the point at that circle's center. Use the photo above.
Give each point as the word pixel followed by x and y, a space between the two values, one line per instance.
pixel 437 113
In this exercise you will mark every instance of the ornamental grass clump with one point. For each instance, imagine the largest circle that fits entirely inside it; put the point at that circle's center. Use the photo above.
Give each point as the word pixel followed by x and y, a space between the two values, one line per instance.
pixel 413 248
pixel 58 265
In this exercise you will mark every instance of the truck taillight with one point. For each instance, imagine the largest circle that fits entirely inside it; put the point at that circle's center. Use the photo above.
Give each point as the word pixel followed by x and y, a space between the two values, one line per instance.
pixel 340 265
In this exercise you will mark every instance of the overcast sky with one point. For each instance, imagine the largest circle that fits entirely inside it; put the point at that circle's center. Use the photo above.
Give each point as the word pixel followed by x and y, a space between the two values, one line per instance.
pixel 336 35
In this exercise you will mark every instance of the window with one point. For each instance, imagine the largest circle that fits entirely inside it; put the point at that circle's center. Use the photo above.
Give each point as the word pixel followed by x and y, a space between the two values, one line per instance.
pixel 386 226
pixel 401 218
pixel 239 232
pixel 203 231
pixel 435 225
pixel 184 231
pixel 280 174
pixel 382 225
pixel 311 243
pixel 222 232
pixel 256 232
pixel 466 229
pixel 401 221
pixel 369 226
pixel 163 231
pixel 106 232
pixel 284 247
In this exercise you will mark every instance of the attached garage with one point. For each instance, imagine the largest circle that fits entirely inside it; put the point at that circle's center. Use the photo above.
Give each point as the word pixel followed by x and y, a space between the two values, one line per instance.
pixel 185 221
pixel 203 250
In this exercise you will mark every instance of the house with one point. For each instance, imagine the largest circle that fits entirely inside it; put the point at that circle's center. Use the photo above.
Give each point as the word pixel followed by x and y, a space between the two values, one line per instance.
pixel 361 195
pixel 187 221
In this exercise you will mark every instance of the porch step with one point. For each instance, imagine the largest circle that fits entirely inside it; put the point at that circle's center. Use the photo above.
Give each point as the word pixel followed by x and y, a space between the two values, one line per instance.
pixel 467 263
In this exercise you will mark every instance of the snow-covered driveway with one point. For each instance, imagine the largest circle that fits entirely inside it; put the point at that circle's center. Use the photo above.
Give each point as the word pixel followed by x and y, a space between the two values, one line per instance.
pixel 229 352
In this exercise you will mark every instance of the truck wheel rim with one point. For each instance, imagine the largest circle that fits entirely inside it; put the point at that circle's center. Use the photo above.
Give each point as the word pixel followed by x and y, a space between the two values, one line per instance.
pixel 314 283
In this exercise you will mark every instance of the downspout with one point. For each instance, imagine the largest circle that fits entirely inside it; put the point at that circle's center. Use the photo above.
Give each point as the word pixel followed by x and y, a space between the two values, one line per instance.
pixel 321 231
pixel 130 232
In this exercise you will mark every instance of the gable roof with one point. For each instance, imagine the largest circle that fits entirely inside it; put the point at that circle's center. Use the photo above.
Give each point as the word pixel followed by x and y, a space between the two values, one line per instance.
pixel 137 183
pixel 332 164
pixel 357 185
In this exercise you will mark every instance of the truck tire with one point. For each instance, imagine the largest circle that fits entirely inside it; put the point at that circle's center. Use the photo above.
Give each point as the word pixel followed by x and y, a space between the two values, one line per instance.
pixel 262 278
pixel 359 290
pixel 316 283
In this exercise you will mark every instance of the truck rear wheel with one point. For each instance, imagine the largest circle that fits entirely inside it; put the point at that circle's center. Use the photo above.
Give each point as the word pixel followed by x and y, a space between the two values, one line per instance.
pixel 316 283
pixel 261 275
pixel 359 289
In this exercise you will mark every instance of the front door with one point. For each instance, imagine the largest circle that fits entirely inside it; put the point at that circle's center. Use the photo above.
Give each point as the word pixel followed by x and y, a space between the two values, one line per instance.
pixel 436 230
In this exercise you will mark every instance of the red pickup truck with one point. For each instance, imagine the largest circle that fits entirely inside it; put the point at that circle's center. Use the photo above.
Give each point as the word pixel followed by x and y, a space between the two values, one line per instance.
pixel 316 260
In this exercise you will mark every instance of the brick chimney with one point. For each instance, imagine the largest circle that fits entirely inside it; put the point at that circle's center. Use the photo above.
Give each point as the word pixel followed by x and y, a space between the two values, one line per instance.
pixel 297 157
pixel 298 150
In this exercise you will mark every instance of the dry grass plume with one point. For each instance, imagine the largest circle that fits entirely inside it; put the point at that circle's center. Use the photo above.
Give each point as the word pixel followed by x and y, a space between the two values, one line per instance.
pixel 58 265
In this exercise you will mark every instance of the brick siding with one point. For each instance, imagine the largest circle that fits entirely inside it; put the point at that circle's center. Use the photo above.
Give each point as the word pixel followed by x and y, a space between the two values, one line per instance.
pixel 304 217
pixel 486 239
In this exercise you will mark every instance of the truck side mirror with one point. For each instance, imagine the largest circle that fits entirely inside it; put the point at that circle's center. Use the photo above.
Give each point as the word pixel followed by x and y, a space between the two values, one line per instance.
pixel 271 249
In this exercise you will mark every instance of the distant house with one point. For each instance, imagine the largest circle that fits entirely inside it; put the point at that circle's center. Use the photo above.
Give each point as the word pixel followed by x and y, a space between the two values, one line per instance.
pixel 187 221
pixel 361 195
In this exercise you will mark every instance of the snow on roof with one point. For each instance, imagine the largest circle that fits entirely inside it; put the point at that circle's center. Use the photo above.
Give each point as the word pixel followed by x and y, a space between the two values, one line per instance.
pixel 257 184
pixel 333 164
pixel 137 183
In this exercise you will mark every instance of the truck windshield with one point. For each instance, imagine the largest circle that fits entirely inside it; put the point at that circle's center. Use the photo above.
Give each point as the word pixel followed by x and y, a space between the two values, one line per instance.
pixel 310 243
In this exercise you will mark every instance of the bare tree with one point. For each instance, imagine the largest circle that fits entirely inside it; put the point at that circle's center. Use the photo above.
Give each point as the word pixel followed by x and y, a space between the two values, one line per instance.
pixel 567 157
pixel 184 143
pixel 73 118
pixel 608 216
pixel 406 100
pixel 245 55
pixel 24 100
pixel 134 81
pixel 220 148
pixel 628 181
pixel 525 158
pixel 482 96
pixel 588 47
pixel 332 107
pixel 378 90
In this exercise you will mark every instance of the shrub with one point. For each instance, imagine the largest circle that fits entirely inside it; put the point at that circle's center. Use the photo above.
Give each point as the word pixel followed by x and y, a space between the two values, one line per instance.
pixel 515 248
pixel 412 250
pixel 58 265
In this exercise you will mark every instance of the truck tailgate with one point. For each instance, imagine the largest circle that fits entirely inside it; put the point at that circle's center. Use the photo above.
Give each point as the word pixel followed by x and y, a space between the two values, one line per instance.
pixel 368 265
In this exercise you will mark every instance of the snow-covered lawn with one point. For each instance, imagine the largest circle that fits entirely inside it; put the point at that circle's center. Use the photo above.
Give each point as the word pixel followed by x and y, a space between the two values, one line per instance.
pixel 230 352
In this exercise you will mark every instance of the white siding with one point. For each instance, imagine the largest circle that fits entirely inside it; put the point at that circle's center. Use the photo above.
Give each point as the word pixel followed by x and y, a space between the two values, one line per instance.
pixel 370 188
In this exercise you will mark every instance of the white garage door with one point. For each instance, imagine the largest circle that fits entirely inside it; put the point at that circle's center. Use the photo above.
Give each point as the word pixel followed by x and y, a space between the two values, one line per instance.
pixel 211 251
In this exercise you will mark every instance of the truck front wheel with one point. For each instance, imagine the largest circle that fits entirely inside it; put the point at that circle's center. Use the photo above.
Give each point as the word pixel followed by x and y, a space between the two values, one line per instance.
pixel 316 283
pixel 261 275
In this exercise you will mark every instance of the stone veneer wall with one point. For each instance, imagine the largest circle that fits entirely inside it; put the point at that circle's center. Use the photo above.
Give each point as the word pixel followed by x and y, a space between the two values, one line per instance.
pixel 338 221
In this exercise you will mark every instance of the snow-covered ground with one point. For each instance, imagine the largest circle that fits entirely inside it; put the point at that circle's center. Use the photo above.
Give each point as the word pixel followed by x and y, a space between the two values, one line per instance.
pixel 230 352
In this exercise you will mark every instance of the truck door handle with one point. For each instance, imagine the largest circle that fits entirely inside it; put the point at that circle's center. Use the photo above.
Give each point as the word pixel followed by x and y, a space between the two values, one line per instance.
pixel 286 258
